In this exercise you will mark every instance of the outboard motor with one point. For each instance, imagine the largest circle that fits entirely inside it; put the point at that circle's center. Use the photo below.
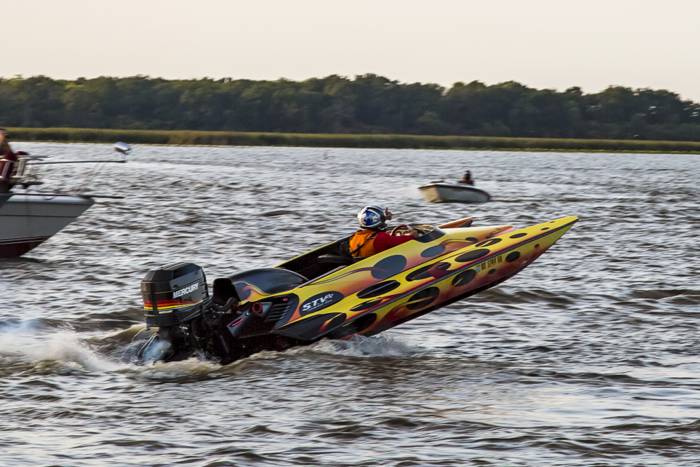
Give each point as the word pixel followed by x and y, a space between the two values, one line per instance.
pixel 174 294
pixel 191 323
pixel 175 297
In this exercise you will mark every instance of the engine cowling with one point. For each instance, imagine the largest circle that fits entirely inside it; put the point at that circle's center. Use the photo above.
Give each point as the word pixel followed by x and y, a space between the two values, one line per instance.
pixel 174 294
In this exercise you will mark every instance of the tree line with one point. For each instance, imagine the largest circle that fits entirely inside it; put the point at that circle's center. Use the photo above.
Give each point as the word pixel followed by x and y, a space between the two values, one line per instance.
pixel 336 104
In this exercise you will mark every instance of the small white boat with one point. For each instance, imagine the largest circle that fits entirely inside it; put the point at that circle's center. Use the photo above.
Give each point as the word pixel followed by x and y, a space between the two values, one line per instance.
pixel 444 192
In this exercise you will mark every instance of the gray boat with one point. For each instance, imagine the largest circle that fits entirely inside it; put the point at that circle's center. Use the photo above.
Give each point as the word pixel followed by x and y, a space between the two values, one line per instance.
pixel 444 192
pixel 28 219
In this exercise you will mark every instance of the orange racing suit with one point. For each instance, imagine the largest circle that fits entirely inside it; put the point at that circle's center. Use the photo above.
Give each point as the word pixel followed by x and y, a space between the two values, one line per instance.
pixel 368 242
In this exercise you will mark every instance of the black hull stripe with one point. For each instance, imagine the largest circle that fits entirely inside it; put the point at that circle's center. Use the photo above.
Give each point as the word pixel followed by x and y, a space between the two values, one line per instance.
pixel 15 241
pixel 41 216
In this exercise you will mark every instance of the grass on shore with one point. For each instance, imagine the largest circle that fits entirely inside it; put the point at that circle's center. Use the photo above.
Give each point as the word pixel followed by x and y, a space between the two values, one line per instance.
pixel 235 138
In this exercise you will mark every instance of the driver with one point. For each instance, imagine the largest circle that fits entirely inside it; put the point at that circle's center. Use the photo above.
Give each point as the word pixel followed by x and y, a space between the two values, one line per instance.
pixel 373 237
pixel 467 179
pixel 8 159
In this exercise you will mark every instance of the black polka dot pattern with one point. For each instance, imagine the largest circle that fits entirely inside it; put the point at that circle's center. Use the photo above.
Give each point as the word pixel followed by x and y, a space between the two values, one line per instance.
pixel 335 322
pixel 363 322
pixel 489 242
pixel 512 256
pixel 419 274
pixel 360 324
pixel 423 298
pixel 463 278
pixel 365 305
pixel 378 289
pixel 432 251
pixel 518 235
pixel 389 266
pixel 472 255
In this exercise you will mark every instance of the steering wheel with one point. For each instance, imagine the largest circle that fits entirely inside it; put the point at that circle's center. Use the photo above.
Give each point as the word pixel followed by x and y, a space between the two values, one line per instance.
pixel 402 229
pixel 423 229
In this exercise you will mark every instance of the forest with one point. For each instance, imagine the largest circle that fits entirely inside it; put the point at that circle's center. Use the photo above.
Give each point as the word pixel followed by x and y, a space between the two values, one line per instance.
pixel 365 104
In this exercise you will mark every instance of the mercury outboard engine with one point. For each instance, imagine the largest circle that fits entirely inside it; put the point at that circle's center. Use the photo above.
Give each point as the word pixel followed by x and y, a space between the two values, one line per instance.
pixel 190 322
pixel 175 300
pixel 174 294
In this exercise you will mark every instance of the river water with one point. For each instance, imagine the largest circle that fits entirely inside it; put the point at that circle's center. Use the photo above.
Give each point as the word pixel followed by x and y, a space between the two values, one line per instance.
pixel 587 357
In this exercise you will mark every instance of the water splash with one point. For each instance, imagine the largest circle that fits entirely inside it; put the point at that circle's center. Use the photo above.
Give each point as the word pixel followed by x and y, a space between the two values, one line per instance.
pixel 28 342
pixel 366 347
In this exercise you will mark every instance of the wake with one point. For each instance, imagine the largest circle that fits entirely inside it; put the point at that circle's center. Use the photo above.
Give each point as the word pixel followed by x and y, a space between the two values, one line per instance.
pixel 29 343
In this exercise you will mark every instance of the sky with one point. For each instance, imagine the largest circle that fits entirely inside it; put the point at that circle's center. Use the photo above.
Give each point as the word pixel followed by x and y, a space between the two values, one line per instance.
pixel 541 43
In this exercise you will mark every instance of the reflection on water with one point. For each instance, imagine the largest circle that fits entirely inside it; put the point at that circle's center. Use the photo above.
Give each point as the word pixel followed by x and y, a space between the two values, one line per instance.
pixel 586 357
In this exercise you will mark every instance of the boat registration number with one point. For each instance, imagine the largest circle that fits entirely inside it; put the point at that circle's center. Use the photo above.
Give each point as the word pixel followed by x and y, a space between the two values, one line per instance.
pixel 492 262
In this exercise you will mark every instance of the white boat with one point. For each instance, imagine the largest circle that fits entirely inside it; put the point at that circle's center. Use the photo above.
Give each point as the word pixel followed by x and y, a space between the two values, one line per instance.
pixel 444 192
pixel 29 219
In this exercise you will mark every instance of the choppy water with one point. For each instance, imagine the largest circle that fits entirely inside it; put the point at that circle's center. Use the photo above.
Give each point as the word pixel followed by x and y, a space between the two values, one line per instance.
pixel 588 357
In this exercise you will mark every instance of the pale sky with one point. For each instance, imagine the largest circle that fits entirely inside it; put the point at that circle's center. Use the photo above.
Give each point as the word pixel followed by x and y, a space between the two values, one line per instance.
pixel 540 43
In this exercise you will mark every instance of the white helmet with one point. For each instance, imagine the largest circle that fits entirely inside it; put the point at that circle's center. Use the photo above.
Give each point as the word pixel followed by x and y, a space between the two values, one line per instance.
pixel 372 217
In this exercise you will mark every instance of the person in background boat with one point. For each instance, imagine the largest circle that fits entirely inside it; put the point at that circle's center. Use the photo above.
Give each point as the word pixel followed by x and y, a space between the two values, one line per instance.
pixel 467 178
pixel 8 159
pixel 373 236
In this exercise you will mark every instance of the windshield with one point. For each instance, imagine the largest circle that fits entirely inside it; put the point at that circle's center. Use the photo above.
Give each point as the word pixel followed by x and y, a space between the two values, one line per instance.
pixel 427 233
pixel 267 280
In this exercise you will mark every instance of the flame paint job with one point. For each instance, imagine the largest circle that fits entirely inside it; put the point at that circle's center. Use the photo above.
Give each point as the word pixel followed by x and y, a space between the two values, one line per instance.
pixel 416 277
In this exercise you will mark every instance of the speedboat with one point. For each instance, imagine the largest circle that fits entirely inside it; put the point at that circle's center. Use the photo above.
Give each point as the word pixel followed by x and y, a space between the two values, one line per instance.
pixel 325 293
pixel 444 192
pixel 27 219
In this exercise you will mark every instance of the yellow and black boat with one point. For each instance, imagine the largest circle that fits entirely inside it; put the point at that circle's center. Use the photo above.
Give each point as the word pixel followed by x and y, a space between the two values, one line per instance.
pixel 325 293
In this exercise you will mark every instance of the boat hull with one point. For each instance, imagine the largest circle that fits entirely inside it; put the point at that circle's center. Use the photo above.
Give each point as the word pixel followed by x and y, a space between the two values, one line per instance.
pixel 458 277
pixel 405 282
pixel 27 220
pixel 449 193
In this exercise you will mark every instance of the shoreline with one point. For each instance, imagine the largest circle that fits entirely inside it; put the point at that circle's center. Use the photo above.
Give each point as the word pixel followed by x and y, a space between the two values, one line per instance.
pixel 350 140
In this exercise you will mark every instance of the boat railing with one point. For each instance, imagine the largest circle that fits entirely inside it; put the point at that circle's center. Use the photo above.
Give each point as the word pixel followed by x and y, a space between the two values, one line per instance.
pixel 24 174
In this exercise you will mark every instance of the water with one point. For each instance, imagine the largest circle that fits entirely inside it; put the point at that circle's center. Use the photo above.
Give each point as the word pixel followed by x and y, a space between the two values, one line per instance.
pixel 587 357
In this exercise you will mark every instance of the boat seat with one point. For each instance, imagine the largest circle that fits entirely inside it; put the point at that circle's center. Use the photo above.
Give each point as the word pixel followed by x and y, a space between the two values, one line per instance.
pixel 224 294
pixel 223 289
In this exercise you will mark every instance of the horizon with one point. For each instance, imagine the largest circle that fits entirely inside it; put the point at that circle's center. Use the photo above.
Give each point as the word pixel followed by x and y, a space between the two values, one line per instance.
pixel 543 44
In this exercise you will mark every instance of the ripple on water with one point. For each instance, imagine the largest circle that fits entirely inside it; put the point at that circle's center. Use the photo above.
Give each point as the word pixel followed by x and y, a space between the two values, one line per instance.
pixel 588 357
